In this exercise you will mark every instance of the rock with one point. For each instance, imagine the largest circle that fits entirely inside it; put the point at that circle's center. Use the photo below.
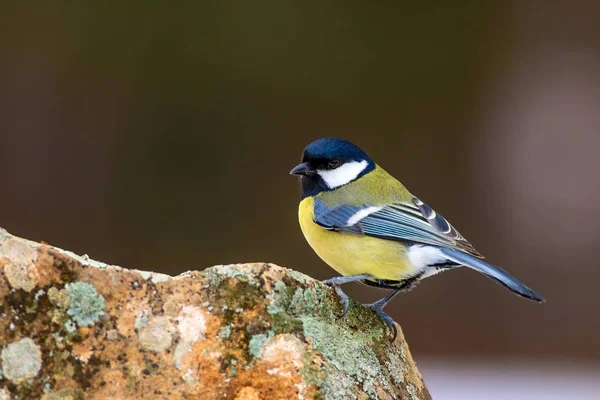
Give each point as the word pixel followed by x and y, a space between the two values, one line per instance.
pixel 72 327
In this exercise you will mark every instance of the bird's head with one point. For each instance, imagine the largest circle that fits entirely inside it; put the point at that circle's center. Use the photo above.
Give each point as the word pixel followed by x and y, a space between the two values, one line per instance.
pixel 329 163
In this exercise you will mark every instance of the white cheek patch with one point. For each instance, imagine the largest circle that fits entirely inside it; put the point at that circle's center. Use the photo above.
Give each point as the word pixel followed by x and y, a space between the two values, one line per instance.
pixel 344 174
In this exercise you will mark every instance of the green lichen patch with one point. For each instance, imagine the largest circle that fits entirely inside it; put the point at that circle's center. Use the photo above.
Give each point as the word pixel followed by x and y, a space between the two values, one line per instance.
pixel 337 386
pixel 70 327
pixel 284 323
pixel 301 278
pixel 39 294
pixel 257 342
pixel 219 273
pixel 280 297
pixel 224 332
pixel 234 294
pixel 309 302
pixel 393 368
pixel 353 354
pixel 86 305
pixel 141 320
pixel 347 352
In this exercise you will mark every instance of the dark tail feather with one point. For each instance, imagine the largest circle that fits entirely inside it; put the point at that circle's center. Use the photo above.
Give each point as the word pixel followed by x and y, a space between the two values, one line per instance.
pixel 497 274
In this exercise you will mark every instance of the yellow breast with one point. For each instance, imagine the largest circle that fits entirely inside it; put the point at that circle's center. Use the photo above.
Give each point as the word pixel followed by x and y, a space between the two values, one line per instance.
pixel 351 254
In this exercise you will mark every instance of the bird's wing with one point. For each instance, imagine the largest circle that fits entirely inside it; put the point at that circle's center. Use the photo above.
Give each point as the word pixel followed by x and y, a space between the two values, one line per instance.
pixel 416 222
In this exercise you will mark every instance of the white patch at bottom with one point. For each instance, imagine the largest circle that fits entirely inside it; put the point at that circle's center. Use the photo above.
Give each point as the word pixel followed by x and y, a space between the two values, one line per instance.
pixel 430 271
pixel 344 174
pixel 421 256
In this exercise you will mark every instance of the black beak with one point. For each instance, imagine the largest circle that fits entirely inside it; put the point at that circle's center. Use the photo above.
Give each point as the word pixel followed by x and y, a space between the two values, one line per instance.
pixel 301 169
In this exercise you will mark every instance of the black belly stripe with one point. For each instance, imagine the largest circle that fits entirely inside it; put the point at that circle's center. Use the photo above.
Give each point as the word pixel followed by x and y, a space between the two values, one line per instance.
pixel 405 285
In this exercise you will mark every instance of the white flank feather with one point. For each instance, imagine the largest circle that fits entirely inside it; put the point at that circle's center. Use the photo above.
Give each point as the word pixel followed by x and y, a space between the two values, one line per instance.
pixel 421 256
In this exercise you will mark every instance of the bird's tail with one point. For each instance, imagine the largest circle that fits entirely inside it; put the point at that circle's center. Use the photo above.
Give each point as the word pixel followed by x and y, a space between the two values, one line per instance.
pixel 497 274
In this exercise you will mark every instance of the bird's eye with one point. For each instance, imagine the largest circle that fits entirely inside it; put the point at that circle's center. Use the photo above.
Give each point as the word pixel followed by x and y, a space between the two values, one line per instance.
pixel 333 164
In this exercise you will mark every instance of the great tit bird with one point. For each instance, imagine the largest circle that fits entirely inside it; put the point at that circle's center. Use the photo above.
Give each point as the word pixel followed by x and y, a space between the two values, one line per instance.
pixel 369 228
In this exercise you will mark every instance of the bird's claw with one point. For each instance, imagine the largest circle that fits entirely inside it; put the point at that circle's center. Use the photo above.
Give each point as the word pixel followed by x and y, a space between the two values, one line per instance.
pixel 344 299
pixel 377 308
pixel 336 283
pixel 345 302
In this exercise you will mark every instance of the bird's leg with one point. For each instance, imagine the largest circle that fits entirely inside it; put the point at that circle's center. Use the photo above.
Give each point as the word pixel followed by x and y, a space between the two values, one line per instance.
pixel 336 283
pixel 377 307
pixel 341 280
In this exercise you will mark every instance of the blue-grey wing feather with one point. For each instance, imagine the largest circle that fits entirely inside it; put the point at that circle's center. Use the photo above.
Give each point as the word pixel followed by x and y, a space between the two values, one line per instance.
pixel 416 223
pixel 336 218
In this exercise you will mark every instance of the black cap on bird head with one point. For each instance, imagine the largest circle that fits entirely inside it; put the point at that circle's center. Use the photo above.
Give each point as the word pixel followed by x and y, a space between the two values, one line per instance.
pixel 329 163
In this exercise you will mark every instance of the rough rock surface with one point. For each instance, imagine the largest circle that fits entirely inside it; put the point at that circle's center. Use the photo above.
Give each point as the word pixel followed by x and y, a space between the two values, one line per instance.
pixel 74 328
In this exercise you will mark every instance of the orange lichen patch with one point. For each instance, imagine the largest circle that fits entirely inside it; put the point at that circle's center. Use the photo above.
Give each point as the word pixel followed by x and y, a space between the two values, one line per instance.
pixel 272 275
pixel 82 352
pixel 278 373
pixel 252 321
pixel 125 323
pixel 248 393
pixel 173 304
pixel 127 310
pixel 101 279
pixel 84 330
pixel 64 381
pixel 211 382
pixel 203 363
pixel 269 380
pixel 233 283
pixel 147 374
pixel 46 273
pixel 193 290
pixel 114 386
pixel 66 266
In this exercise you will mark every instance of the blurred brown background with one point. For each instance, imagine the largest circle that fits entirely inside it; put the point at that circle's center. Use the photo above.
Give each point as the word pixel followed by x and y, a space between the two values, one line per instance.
pixel 160 137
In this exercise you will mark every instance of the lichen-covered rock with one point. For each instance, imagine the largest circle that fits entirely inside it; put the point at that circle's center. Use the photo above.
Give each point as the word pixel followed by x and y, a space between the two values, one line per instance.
pixel 72 327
